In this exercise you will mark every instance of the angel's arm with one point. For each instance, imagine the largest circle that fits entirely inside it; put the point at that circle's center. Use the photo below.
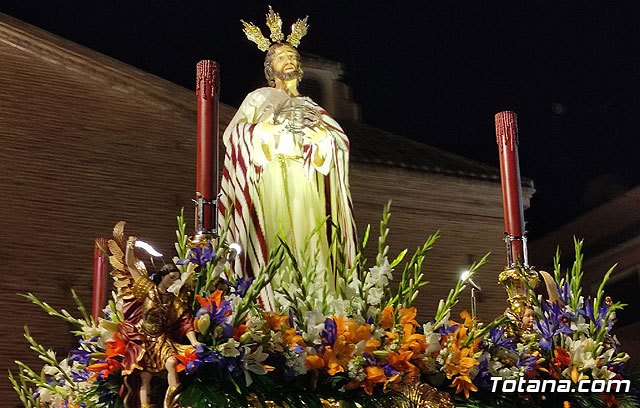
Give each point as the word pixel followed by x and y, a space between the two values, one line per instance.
pixel 131 260
pixel 191 335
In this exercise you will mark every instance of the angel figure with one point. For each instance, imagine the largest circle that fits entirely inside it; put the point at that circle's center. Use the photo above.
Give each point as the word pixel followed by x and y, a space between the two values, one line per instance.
pixel 156 320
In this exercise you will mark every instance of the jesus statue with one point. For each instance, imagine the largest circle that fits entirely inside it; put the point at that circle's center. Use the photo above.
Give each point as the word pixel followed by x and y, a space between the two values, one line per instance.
pixel 286 170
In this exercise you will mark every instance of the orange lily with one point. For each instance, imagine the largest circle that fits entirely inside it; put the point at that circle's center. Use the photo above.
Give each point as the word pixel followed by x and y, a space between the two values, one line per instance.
pixel 355 334
pixel 387 319
pixel 314 362
pixel 115 347
pixel 363 332
pixel 408 316
pixel 214 299
pixel 239 331
pixel 341 324
pixel 375 375
pixel 402 362
pixel 468 320
pixel 459 362
pixel 560 360
pixel 337 357
pixel 105 369
pixel 276 321
pixel 412 341
pixel 183 360
pixel 292 338
pixel 463 383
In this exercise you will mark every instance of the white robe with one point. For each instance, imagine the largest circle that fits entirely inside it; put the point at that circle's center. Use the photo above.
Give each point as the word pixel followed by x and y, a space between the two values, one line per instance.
pixel 286 184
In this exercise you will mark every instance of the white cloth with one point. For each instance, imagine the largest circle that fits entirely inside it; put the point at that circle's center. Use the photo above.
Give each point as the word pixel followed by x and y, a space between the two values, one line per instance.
pixel 285 180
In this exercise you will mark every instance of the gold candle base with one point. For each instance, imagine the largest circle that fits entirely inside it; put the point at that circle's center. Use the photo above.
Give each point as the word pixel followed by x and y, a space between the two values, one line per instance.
pixel 519 283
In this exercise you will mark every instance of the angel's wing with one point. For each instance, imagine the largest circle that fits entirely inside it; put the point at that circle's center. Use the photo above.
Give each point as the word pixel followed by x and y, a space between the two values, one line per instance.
pixel 552 288
pixel 122 279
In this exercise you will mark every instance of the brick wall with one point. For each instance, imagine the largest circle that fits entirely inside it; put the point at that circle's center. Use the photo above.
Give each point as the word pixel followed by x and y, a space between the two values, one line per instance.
pixel 468 214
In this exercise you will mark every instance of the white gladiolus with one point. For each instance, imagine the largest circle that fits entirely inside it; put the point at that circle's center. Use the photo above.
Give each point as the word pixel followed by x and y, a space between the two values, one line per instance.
pixel 375 296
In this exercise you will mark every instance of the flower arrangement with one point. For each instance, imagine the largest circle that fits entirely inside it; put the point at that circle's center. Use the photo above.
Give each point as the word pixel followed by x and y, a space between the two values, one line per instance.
pixel 358 343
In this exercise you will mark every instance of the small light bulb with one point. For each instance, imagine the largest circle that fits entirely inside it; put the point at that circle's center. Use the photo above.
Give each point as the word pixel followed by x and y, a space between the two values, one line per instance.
pixel 236 248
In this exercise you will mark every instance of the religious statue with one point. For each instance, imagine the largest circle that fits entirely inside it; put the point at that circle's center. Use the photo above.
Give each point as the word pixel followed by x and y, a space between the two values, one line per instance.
pixel 286 170
pixel 156 321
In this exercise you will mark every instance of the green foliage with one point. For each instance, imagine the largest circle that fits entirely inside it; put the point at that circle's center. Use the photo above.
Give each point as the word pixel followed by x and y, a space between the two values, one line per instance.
pixel 210 394
pixel 220 392
pixel 250 299
pixel 383 248
pixel 181 239
pixel 412 276
pixel 574 279
pixel 105 393
pixel 22 388
pixel 63 314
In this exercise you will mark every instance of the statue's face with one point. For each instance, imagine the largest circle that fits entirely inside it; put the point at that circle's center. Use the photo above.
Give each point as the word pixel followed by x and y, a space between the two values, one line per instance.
pixel 528 318
pixel 169 279
pixel 285 62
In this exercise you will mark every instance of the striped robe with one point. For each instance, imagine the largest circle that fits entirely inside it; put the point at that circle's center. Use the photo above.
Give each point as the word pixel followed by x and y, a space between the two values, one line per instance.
pixel 285 194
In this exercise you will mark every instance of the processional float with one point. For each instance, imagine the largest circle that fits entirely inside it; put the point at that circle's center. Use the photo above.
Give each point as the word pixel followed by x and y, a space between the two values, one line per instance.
pixel 377 353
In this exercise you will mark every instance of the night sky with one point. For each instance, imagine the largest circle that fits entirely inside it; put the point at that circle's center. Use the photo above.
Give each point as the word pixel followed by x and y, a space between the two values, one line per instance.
pixel 433 71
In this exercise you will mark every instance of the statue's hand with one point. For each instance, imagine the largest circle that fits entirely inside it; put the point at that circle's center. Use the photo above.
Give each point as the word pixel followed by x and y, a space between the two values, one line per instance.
pixel 314 134
pixel 131 242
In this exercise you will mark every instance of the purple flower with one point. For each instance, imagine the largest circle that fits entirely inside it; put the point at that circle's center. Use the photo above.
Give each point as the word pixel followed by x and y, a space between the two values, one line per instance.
pixel 216 313
pixel 563 292
pixel 192 366
pixel 199 256
pixel 370 359
pixel 80 356
pixel 389 370
pixel 483 378
pixel 529 362
pixel 330 332
pixel 227 330
pixel 291 318
pixel 80 376
pixel 202 357
pixel 498 339
pixel 545 339
pixel 230 364
pixel 588 313
pixel 242 285
pixel 554 321
pixel 444 330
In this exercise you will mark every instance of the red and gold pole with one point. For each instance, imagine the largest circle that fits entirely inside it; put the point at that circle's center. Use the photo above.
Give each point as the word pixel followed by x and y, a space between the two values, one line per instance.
pixel 207 93
pixel 507 139
pixel 517 277
pixel 99 277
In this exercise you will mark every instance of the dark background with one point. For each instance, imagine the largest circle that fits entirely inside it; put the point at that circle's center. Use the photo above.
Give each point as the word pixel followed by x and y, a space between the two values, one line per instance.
pixel 433 71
